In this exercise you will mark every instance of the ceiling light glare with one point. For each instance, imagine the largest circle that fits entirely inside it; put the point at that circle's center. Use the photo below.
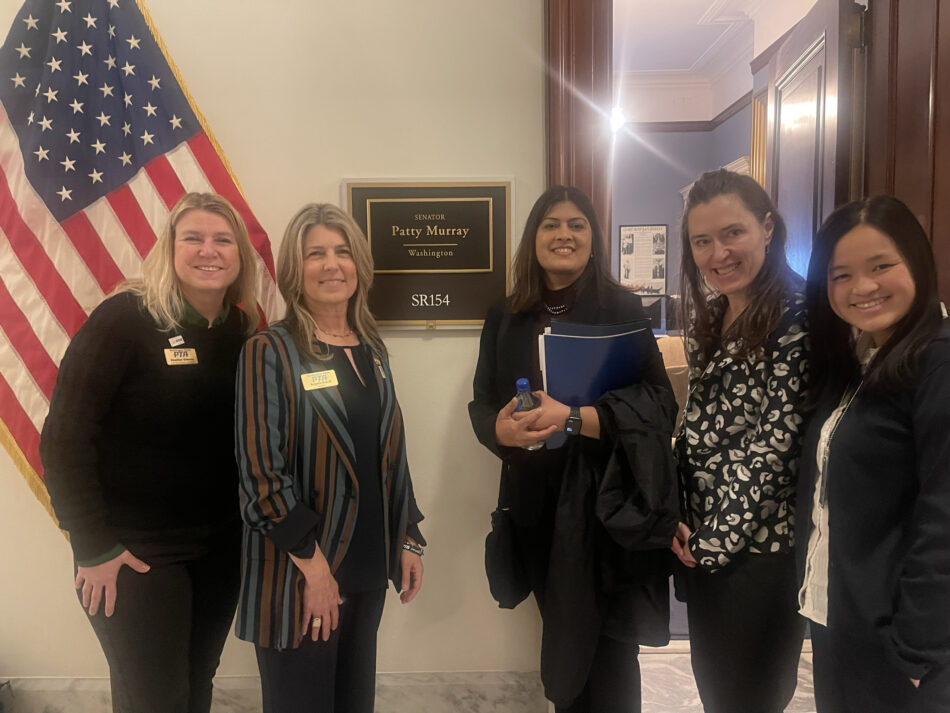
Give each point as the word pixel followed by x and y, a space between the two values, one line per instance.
pixel 617 119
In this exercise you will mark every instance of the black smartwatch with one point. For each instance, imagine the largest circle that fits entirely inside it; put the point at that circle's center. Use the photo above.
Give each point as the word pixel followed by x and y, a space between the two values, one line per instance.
pixel 572 426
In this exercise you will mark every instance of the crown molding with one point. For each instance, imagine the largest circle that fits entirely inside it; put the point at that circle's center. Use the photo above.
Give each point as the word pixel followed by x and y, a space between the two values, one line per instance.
pixel 673 78
pixel 728 55
pixel 693 126
pixel 721 11
pixel 734 45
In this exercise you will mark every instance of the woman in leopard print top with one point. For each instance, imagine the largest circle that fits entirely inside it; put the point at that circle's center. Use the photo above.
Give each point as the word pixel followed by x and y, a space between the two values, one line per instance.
pixel 739 444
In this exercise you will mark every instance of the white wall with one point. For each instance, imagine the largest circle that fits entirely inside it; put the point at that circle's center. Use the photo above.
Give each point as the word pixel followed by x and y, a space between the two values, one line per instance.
pixel 301 93
pixel 774 18
pixel 666 98
pixel 702 94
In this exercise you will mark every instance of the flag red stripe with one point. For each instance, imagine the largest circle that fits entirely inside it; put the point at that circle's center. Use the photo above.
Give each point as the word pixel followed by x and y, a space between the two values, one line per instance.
pixel 24 340
pixel 37 263
pixel 165 180
pixel 20 426
pixel 133 220
pixel 90 248
pixel 220 179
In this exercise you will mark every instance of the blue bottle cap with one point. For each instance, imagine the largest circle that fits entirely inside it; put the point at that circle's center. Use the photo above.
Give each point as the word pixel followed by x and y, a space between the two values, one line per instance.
pixel 523 384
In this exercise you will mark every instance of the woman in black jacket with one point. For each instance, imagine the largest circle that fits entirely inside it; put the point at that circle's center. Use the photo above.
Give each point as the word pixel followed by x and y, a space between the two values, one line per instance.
pixel 874 515
pixel 598 601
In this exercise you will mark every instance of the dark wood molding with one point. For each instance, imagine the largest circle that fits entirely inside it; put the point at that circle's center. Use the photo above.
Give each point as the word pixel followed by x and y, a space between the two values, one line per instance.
pixel 579 98
pixel 643 127
pixel 691 126
pixel 558 114
pixel 733 109
pixel 940 235
pixel 907 144
pixel 880 143
pixel 760 126
pixel 916 62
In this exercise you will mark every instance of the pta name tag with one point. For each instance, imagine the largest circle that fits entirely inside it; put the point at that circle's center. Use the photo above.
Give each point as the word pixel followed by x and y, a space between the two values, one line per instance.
pixel 177 357
pixel 318 379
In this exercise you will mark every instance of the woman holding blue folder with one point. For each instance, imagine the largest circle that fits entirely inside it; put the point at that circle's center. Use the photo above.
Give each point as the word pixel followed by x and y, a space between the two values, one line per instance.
pixel 593 518
pixel 739 445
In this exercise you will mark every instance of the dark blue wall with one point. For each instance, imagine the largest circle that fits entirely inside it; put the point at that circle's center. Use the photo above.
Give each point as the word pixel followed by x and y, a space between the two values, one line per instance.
pixel 651 168
pixel 731 139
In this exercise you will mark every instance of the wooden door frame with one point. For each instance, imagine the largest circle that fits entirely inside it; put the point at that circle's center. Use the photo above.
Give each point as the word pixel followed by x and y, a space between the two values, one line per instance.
pixel 579 90
pixel 907 149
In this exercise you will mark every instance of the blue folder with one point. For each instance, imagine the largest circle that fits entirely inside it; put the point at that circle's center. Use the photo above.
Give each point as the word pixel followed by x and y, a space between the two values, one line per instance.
pixel 598 330
pixel 581 362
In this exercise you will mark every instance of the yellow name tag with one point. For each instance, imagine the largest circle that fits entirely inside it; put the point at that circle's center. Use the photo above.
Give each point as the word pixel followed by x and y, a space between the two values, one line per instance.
pixel 318 379
pixel 177 357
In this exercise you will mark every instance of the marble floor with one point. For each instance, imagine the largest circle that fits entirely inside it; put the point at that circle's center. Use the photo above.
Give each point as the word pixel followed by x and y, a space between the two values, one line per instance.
pixel 668 685
pixel 667 688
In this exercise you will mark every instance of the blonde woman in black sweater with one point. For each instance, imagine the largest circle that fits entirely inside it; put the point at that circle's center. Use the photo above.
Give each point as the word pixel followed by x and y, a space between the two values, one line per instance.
pixel 138 457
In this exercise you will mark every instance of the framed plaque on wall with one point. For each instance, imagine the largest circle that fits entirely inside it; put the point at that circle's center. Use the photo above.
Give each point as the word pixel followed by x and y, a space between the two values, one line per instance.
pixel 440 248
pixel 643 259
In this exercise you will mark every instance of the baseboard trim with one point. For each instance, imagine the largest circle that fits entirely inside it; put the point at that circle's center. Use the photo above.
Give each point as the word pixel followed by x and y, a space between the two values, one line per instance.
pixel 482 692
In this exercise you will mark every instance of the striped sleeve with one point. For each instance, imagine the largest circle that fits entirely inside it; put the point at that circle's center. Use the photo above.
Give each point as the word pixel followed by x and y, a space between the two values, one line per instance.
pixel 406 515
pixel 265 423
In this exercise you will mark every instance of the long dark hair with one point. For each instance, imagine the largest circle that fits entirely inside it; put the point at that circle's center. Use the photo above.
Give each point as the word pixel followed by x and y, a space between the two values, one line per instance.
pixel 834 363
pixel 527 273
pixel 768 289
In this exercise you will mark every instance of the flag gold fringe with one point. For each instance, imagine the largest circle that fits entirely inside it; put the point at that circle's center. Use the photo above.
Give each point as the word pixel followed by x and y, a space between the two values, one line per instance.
pixel 191 100
pixel 31 477
pixel 9 444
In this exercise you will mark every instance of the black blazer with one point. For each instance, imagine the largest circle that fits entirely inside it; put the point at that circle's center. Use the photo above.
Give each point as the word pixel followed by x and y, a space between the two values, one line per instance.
pixel 617 507
pixel 505 355
pixel 888 495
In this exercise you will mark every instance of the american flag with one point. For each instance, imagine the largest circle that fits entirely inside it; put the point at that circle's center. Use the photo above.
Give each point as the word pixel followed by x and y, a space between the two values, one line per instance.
pixel 98 140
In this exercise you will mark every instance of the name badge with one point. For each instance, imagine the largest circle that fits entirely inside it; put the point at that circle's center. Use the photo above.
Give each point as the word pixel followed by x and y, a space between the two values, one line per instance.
pixel 176 341
pixel 319 379
pixel 178 357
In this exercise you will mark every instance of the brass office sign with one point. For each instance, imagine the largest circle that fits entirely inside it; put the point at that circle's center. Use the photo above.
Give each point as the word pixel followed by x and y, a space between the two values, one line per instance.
pixel 430 235
pixel 440 250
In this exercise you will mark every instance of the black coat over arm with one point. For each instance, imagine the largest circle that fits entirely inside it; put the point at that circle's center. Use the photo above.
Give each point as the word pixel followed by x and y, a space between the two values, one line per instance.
pixel 617 506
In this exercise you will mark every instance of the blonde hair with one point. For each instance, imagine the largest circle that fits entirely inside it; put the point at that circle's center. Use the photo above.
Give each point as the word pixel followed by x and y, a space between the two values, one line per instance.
pixel 298 320
pixel 159 287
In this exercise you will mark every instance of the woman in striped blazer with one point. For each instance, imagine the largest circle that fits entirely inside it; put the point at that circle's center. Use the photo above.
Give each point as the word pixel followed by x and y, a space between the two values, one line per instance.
pixel 326 495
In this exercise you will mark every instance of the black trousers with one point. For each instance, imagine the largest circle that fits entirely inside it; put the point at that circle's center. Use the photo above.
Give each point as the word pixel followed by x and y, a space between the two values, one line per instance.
pixel 614 682
pixel 334 676
pixel 164 640
pixel 745 634
pixel 613 685
pixel 854 676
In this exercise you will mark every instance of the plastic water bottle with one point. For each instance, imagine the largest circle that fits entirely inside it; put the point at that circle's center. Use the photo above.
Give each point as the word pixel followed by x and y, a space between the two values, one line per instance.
pixel 526 402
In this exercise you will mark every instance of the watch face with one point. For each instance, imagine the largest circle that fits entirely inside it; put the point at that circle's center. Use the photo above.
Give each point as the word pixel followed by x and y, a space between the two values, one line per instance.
pixel 573 424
